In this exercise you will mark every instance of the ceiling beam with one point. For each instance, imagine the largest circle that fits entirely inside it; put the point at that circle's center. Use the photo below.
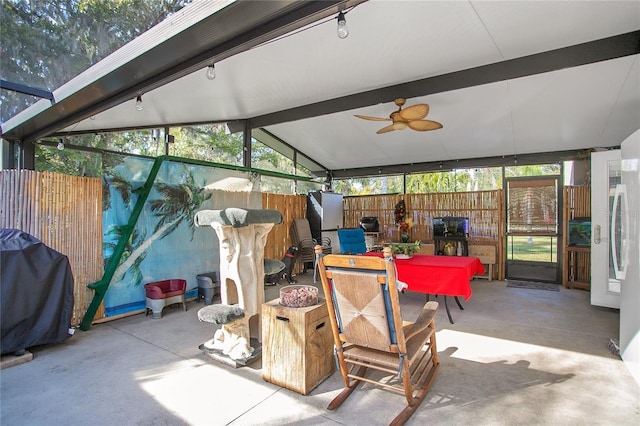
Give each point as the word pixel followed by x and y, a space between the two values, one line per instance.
pixel 581 54
pixel 469 163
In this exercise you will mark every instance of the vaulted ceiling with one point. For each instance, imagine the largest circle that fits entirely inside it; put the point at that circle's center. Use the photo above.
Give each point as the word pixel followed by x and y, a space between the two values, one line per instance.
pixel 507 79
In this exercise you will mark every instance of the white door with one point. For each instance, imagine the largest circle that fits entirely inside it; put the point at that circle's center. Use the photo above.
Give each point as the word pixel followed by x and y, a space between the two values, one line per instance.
pixel 605 176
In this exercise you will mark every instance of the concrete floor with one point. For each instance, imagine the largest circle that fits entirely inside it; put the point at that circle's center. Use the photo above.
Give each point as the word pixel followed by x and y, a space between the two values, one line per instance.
pixel 513 356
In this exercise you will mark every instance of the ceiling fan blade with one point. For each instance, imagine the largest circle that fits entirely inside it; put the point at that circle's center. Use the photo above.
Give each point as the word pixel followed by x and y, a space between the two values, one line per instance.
pixel 366 117
pixel 424 125
pixel 415 112
pixel 387 129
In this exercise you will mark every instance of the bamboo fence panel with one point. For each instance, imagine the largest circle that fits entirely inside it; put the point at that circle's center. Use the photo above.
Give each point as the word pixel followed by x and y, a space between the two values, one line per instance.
pixel 576 264
pixel 65 213
pixel 485 210
pixel 381 206
pixel 279 240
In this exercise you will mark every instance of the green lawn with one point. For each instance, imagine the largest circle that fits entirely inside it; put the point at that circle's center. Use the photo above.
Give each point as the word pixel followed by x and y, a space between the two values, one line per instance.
pixel 533 249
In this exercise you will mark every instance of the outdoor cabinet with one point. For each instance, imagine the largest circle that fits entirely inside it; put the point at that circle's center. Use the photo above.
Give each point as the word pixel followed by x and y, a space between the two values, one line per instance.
pixel 297 346
pixel 487 255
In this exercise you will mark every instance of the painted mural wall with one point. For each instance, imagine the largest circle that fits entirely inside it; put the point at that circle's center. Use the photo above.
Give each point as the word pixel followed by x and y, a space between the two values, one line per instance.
pixel 165 243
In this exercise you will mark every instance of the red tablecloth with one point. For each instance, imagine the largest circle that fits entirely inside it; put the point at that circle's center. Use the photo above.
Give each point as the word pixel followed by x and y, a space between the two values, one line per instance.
pixel 446 275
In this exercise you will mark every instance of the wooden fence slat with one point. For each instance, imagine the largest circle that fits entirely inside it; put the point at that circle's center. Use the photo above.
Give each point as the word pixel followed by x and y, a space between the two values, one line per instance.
pixel 65 213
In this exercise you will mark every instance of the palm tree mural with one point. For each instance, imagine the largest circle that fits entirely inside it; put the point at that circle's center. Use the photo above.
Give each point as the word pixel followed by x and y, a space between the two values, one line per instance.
pixel 178 203
pixel 116 232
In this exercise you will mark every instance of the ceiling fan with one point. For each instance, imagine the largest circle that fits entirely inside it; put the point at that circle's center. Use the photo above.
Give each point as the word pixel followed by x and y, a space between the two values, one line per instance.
pixel 411 117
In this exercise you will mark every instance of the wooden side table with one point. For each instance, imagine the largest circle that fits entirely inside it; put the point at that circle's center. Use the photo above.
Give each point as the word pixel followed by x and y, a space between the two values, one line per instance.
pixel 297 346
pixel 487 255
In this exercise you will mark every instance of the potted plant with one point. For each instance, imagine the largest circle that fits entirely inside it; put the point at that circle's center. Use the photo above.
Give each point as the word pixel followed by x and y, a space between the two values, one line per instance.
pixel 405 249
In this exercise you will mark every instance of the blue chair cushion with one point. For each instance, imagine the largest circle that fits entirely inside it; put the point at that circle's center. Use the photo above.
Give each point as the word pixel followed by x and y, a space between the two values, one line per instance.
pixel 352 241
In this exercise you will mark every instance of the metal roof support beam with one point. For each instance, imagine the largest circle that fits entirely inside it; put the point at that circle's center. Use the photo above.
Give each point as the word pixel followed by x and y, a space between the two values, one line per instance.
pixel 470 163
pixel 26 90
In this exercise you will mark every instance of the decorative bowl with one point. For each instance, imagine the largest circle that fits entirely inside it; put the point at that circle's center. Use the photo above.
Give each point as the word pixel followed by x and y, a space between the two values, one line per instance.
pixel 298 296
pixel 403 256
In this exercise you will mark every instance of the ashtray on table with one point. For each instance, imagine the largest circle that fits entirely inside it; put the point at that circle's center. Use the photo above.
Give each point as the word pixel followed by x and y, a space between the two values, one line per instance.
pixel 298 296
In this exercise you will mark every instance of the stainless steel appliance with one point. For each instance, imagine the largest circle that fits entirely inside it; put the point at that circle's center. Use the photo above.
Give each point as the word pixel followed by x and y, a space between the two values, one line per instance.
pixel 325 212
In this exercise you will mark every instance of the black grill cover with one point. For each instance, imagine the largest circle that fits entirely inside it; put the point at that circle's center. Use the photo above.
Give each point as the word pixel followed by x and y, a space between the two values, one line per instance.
pixel 36 292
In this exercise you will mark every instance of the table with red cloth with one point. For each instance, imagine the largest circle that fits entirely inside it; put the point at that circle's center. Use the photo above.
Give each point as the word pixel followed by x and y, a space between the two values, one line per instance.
pixel 440 275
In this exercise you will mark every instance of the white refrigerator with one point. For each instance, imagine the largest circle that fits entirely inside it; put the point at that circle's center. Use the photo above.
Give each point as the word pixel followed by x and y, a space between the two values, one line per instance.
pixel 627 252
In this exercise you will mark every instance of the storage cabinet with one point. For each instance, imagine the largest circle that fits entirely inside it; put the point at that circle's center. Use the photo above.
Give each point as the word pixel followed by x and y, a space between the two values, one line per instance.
pixel 440 242
pixel 576 268
pixel 297 346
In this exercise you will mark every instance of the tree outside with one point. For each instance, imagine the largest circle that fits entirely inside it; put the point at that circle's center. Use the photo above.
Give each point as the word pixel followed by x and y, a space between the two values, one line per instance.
pixel 45 44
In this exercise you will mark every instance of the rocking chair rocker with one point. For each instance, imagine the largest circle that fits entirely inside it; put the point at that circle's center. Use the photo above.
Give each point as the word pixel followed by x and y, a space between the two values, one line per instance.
pixel 368 330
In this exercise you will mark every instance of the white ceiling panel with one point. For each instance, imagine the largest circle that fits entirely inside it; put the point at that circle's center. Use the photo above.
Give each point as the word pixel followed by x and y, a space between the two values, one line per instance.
pixel 567 109
pixel 524 27
pixel 563 110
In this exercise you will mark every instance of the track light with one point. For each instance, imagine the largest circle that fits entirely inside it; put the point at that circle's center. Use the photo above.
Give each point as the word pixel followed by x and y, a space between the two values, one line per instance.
pixel 211 72
pixel 139 102
pixel 343 31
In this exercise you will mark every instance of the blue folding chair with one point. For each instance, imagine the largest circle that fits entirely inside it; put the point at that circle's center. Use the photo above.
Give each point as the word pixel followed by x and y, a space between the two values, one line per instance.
pixel 352 241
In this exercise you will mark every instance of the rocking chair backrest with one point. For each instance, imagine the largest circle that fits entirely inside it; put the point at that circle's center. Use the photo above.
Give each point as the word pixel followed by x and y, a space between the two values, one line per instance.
pixel 361 291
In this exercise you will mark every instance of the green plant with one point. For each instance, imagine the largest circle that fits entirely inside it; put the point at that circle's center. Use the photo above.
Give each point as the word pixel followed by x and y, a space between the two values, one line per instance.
pixel 408 249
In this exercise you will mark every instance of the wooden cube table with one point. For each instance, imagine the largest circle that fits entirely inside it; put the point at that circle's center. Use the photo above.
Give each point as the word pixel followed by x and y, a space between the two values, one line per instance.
pixel 297 346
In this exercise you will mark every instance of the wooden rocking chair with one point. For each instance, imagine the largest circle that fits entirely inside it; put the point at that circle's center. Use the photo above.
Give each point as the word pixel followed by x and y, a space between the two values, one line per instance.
pixel 364 310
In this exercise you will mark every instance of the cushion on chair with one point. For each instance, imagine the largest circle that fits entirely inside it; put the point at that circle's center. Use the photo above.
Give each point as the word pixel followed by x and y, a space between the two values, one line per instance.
pixel 166 288
pixel 352 241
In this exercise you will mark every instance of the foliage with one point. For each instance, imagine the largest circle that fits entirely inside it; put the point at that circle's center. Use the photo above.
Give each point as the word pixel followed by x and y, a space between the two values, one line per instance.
pixel 532 170
pixel 408 249
pixel 45 44
pixel 68 161
pixel 112 237
pixel 212 142
pixel 369 185
pixel 532 249
pixel 458 180
pixel 178 203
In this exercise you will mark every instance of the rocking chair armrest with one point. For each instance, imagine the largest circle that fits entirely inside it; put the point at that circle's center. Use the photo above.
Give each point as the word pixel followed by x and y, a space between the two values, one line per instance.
pixel 424 320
